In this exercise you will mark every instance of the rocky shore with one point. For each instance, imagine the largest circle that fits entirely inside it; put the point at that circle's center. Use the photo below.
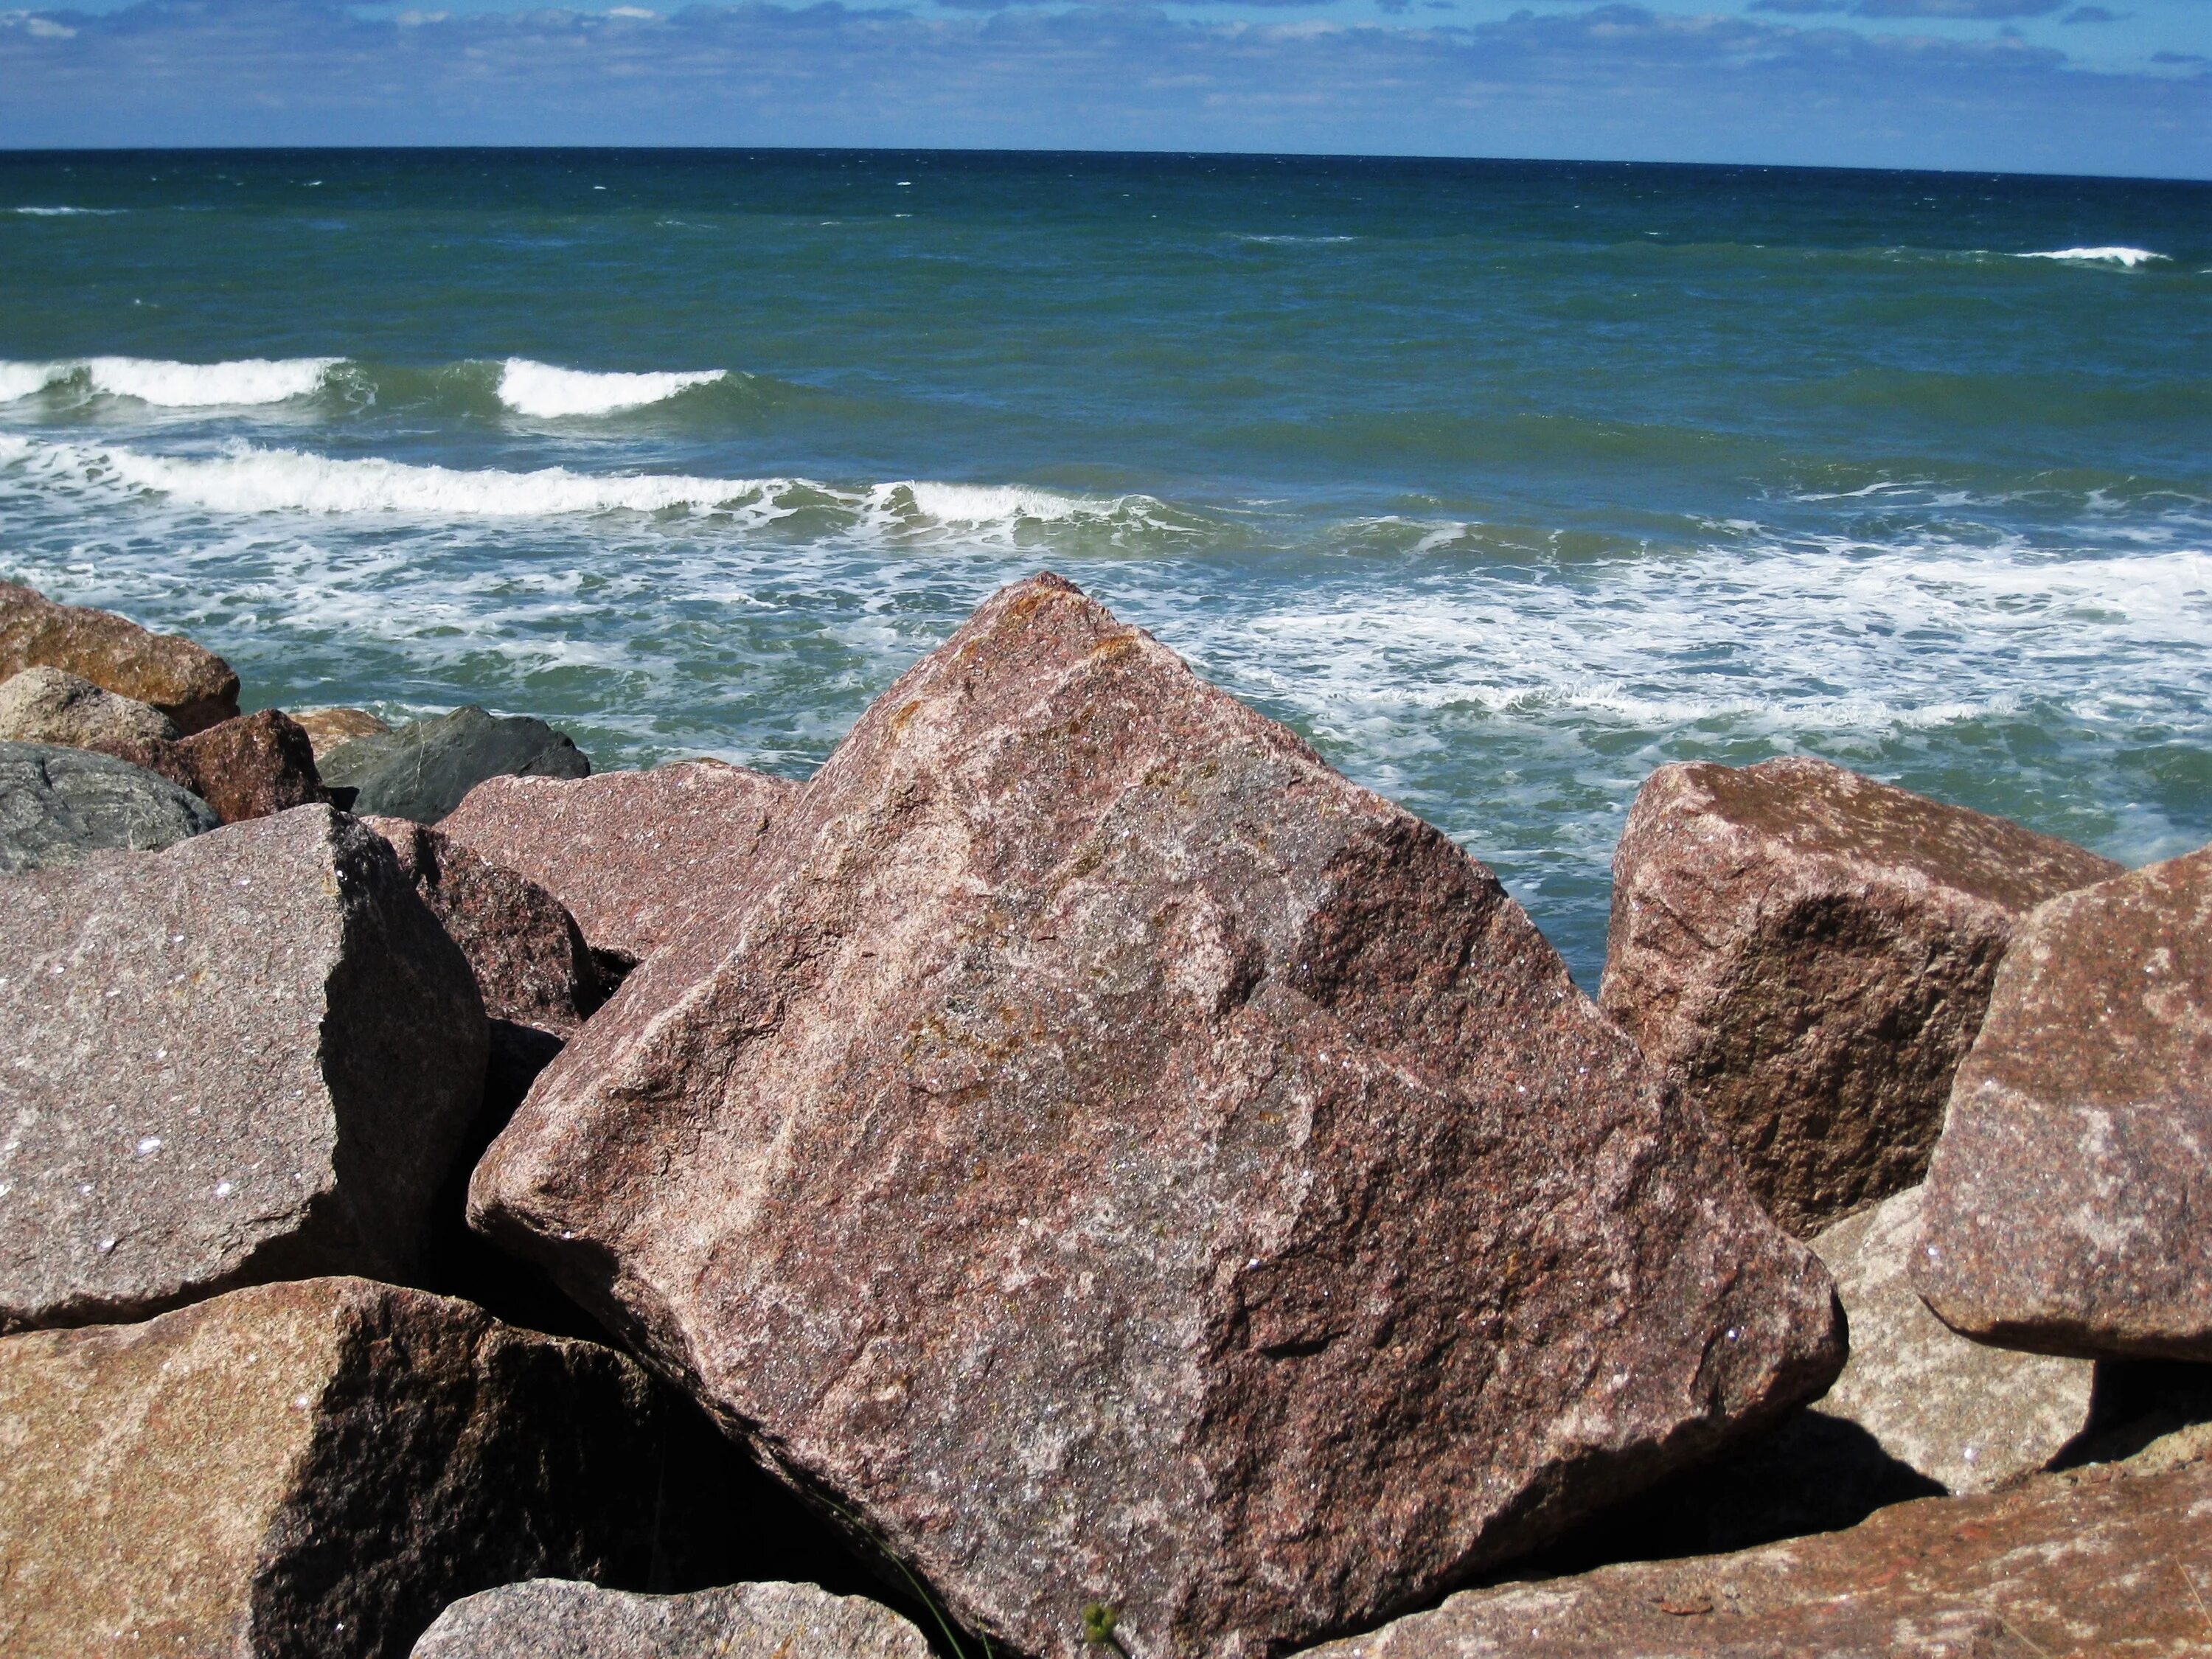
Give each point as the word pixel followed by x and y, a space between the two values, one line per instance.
pixel 1076 1176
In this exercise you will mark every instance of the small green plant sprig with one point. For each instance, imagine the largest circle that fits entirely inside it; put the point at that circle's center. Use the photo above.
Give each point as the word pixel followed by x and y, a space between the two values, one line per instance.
pixel 1099 1619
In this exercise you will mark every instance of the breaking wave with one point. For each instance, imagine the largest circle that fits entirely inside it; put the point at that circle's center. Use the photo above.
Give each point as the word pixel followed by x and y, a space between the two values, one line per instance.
pixel 548 392
pixel 245 381
pixel 2127 257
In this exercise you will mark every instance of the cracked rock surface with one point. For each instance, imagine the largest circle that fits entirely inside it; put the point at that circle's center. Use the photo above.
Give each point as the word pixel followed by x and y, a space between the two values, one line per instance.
pixel 57 804
pixel 1112 1159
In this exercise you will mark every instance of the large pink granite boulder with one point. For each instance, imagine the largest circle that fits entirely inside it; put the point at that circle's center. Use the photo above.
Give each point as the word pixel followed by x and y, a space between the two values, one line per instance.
pixel 1112 1159
pixel 2070 1206
pixel 1808 952
pixel 635 856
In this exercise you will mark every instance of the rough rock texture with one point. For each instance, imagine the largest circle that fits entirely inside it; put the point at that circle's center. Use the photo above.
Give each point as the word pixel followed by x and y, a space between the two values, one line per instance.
pixel 194 688
pixel 635 856
pixel 304 1469
pixel 332 728
pixel 1967 1416
pixel 1118 1160
pixel 249 1057
pixel 532 964
pixel 2104 1561
pixel 57 804
pixel 552 1618
pixel 245 768
pixel 1808 952
pixel 422 770
pixel 2070 1207
pixel 46 705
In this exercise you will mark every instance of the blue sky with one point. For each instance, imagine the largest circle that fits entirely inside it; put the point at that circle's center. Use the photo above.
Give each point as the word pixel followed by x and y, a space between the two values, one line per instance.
pixel 2124 87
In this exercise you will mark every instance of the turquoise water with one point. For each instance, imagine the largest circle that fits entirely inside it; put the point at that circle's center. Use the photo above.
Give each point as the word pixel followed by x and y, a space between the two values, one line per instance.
pixel 1503 483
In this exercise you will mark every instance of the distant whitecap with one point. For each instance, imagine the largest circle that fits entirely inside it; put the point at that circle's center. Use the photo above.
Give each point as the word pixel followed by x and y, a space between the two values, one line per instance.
pixel 2128 257
pixel 548 392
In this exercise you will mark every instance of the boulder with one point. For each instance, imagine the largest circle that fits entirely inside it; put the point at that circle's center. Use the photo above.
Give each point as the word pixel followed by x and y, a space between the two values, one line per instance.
pixel 2095 1561
pixel 422 770
pixel 1808 952
pixel 331 728
pixel 2067 1205
pixel 1113 1159
pixel 249 1057
pixel 633 855
pixel 194 688
pixel 245 768
pixel 314 1468
pixel 46 705
pixel 57 804
pixel 551 1618
pixel 1969 1417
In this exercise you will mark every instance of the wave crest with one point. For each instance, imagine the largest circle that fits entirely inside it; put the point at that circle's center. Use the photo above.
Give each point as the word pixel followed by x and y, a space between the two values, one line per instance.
pixel 548 392
pixel 2128 257
pixel 237 384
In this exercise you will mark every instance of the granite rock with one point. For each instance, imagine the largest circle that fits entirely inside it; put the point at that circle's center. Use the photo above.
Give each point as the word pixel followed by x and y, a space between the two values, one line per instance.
pixel 249 1057
pixel 193 687
pixel 422 770
pixel 332 728
pixel 1111 1158
pixel 311 1468
pixel 1808 952
pixel 57 804
pixel 47 705
pixel 2067 1205
pixel 635 856
pixel 553 1619
pixel 1969 1417
pixel 2094 1561
pixel 246 768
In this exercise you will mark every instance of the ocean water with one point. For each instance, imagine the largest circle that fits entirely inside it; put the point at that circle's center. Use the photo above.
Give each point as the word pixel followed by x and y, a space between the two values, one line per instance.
pixel 1503 482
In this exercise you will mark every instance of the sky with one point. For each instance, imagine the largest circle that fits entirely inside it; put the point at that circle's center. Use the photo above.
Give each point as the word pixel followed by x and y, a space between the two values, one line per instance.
pixel 2124 87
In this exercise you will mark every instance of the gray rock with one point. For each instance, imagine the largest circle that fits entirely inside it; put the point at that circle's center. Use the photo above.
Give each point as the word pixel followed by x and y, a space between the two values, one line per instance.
pixel 251 1057
pixel 552 1618
pixel 422 770
pixel 1969 1417
pixel 50 705
pixel 2069 1205
pixel 57 804
pixel 307 1469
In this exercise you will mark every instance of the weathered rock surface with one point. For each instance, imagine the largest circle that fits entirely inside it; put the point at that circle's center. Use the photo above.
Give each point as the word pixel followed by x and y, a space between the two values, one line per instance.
pixel 304 1469
pixel 552 1618
pixel 193 687
pixel 249 1057
pixel 1118 1160
pixel 1967 1416
pixel 1808 952
pixel 2069 1203
pixel 246 768
pixel 330 728
pixel 57 804
pixel 422 770
pixel 2106 1561
pixel 46 705
pixel 635 856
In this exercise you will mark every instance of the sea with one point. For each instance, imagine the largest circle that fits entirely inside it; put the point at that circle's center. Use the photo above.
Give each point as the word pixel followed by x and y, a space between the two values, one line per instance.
pixel 1503 482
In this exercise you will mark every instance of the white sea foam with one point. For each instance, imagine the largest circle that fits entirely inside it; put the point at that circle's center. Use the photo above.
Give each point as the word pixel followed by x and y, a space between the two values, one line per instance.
pixel 70 212
pixel 546 391
pixel 245 381
pixel 2128 257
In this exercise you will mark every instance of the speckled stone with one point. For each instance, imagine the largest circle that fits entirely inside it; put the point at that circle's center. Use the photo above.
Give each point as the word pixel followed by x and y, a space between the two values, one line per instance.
pixel 1967 1416
pixel 1115 1160
pixel 58 805
pixel 193 687
pixel 1808 952
pixel 2103 1561
pixel 633 855
pixel 330 728
pixel 2070 1206
pixel 245 768
pixel 303 1469
pixel 552 1618
pixel 46 705
pixel 422 770
pixel 249 1057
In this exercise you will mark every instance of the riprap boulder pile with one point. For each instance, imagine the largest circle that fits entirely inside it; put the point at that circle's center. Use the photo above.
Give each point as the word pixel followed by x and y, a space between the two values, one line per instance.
pixel 1808 953
pixel 2070 1206
pixel 251 1056
pixel 1117 1162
